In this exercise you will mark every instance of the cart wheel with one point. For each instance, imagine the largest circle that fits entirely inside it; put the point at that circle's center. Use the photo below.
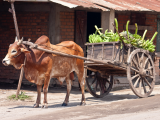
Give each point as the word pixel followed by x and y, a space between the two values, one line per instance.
pixel 99 86
pixel 141 73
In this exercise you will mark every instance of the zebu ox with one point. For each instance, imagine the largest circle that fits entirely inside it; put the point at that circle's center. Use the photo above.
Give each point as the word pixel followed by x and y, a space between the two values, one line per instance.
pixel 40 66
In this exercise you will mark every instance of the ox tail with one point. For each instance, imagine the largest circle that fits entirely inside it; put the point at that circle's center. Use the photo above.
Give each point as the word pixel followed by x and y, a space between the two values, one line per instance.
pixel 72 76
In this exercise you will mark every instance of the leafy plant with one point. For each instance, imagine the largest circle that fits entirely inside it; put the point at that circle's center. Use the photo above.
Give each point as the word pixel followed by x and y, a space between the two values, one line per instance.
pixel 133 39
pixel 21 96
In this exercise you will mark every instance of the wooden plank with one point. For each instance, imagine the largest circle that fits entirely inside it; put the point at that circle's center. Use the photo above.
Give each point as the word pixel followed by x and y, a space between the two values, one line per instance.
pixel 102 51
pixel 102 43
pixel 107 66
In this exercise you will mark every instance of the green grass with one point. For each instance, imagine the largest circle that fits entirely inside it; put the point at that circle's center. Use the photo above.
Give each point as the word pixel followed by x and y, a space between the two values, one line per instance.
pixel 21 96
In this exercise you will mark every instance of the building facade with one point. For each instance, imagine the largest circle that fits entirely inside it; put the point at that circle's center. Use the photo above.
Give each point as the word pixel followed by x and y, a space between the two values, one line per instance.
pixel 63 23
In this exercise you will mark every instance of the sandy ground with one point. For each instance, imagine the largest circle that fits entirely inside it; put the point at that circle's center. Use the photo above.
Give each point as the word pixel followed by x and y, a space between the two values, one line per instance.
pixel 112 104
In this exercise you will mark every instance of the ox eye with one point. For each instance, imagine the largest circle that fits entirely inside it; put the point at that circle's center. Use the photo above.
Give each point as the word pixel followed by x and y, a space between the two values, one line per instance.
pixel 13 51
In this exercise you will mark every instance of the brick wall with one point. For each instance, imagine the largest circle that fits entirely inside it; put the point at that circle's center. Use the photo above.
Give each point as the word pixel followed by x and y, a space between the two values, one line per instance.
pixel 151 20
pixel 122 20
pixel 31 25
pixel 67 26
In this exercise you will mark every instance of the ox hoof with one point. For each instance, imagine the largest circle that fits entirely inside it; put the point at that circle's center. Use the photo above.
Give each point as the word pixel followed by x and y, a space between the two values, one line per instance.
pixel 44 106
pixel 82 103
pixel 64 104
pixel 36 105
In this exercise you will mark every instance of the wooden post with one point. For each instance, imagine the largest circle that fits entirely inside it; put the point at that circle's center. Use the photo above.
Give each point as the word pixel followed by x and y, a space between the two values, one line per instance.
pixel 20 81
pixel 105 20
pixel 12 10
pixel 111 19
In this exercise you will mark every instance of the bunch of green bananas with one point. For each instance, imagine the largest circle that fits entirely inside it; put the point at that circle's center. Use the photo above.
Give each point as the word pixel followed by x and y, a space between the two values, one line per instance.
pixel 133 39
pixel 138 41
pixel 95 38
pixel 147 44
pixel 100 37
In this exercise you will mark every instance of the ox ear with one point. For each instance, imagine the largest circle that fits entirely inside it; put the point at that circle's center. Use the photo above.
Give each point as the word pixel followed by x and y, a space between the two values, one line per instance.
pixel 24 50
pixel 10 45
pixel 16 40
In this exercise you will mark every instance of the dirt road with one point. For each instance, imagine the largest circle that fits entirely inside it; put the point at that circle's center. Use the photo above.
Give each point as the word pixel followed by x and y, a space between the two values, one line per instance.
pixel 118 105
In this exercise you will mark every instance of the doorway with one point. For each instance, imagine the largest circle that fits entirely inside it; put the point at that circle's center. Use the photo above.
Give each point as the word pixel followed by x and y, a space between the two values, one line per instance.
pixel 93 18
pixel 84 26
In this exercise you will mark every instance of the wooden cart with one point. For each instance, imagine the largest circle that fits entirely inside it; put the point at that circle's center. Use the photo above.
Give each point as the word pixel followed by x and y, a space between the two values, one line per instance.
pixel 137 64
pixel 106 60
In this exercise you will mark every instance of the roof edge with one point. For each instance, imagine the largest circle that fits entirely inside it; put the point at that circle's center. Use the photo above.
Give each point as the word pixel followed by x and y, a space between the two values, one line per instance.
pixel 29 0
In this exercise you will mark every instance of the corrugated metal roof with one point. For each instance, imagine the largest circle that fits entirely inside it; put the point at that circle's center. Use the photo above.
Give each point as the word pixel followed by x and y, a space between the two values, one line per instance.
pixel 83 3
pixel 136 5
pixel 67 4
pixel 120 5
pixel 105 5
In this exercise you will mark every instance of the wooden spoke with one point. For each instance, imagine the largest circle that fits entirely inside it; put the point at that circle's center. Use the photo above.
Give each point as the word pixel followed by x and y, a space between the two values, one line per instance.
pixel 147 82
pixel 101 86
pixel 144 87
pixel 149 68
pixel 145 62
pixel 134 70
pixel 108 81
pixel 150 76
pixel 97 82
pixel 135 63
pixel 138 60
pixel 135 76
pixel 135 84
pixel 94 80
pixel 91 76
pixel 140 84
pixel 142 57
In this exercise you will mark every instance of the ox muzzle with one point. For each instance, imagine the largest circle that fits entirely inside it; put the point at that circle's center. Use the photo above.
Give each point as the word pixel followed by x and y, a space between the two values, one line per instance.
pixel 6 61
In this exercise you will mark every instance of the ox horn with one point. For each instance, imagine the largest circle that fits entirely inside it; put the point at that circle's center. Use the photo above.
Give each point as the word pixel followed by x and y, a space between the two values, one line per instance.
pixel 16 40
pixel 20 41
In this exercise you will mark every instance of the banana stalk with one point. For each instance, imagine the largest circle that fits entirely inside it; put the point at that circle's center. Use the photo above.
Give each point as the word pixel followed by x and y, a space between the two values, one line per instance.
pixel 136 28
pixel 116 22
pixel 153 36
pixel 127 28
pixel 144 34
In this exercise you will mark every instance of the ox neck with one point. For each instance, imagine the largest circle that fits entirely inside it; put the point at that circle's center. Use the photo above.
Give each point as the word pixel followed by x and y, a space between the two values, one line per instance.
pixel 20 60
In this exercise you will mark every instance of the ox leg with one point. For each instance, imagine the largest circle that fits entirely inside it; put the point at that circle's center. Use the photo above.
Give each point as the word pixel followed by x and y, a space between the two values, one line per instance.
pixel 45 90
pixel 38 101
pixel 82 85
pixel 69 82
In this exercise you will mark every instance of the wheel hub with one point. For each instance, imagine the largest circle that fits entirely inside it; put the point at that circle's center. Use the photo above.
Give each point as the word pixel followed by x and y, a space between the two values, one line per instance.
pixel 142 72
